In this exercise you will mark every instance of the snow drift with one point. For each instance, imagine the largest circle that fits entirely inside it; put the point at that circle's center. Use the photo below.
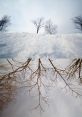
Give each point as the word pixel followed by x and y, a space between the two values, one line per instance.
pixel 32 45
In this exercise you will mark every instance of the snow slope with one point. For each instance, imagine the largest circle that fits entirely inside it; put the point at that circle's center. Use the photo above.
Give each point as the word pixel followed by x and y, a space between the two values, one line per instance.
pixel 32 45
pixel 23 45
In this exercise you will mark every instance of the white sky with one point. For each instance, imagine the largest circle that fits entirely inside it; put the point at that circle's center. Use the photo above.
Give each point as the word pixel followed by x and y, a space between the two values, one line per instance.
pixel 22 12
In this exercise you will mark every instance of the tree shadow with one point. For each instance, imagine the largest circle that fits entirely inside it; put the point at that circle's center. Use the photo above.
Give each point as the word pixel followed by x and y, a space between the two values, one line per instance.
pixel 38 76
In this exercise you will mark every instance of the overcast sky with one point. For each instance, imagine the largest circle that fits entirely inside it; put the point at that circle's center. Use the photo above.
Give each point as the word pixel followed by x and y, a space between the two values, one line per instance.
pixel 22 12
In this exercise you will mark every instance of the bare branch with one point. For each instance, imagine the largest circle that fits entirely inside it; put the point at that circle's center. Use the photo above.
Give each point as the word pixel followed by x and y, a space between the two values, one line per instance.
pixel 38 24
pixel 78 22
pixel 4 22
pixel 50 28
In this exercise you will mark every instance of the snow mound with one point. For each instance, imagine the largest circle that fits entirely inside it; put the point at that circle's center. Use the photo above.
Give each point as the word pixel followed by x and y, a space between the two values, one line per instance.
pixel 32 45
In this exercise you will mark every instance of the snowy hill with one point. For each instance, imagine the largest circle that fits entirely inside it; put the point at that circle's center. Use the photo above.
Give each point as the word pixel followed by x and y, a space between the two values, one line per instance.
pixel 61 104
pixel 32 45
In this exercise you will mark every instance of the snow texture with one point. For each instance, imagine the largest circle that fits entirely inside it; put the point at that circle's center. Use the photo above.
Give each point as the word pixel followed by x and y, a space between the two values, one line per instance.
pixel 32 45
pixel 24 45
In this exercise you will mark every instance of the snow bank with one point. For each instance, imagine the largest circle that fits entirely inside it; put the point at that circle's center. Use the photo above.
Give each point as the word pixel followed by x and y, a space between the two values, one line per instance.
pixel 32 45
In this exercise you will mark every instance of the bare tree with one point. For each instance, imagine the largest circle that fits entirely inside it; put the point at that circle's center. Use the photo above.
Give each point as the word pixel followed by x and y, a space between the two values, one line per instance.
pixel 38 24
pixel 4 22
pixel 50 28
pixel 78 22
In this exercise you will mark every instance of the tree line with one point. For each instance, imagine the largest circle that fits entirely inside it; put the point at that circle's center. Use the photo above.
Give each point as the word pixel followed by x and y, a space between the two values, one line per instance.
pixel 49 26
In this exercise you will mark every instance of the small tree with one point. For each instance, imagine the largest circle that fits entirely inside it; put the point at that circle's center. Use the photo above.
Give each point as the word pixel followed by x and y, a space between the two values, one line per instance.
pixel 38 24
pixel 4 23
pixel 50 28
pixel 78 22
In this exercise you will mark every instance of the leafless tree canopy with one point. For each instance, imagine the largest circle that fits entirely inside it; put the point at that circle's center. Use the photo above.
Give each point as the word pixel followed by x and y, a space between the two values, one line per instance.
pixel 38 24
pixel 50 28
pixel 78 22
pixel 4 23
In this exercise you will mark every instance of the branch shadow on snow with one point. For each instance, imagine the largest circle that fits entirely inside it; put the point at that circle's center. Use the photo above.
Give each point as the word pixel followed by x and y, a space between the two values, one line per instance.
pixel 38 76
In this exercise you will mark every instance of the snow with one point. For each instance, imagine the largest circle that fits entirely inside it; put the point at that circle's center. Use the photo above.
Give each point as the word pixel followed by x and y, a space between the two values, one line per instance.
pixel 60 47
pixel 32 45
pixel 61 103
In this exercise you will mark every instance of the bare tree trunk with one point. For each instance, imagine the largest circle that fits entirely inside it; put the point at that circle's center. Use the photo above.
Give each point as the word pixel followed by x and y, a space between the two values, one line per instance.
pixel 37 30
